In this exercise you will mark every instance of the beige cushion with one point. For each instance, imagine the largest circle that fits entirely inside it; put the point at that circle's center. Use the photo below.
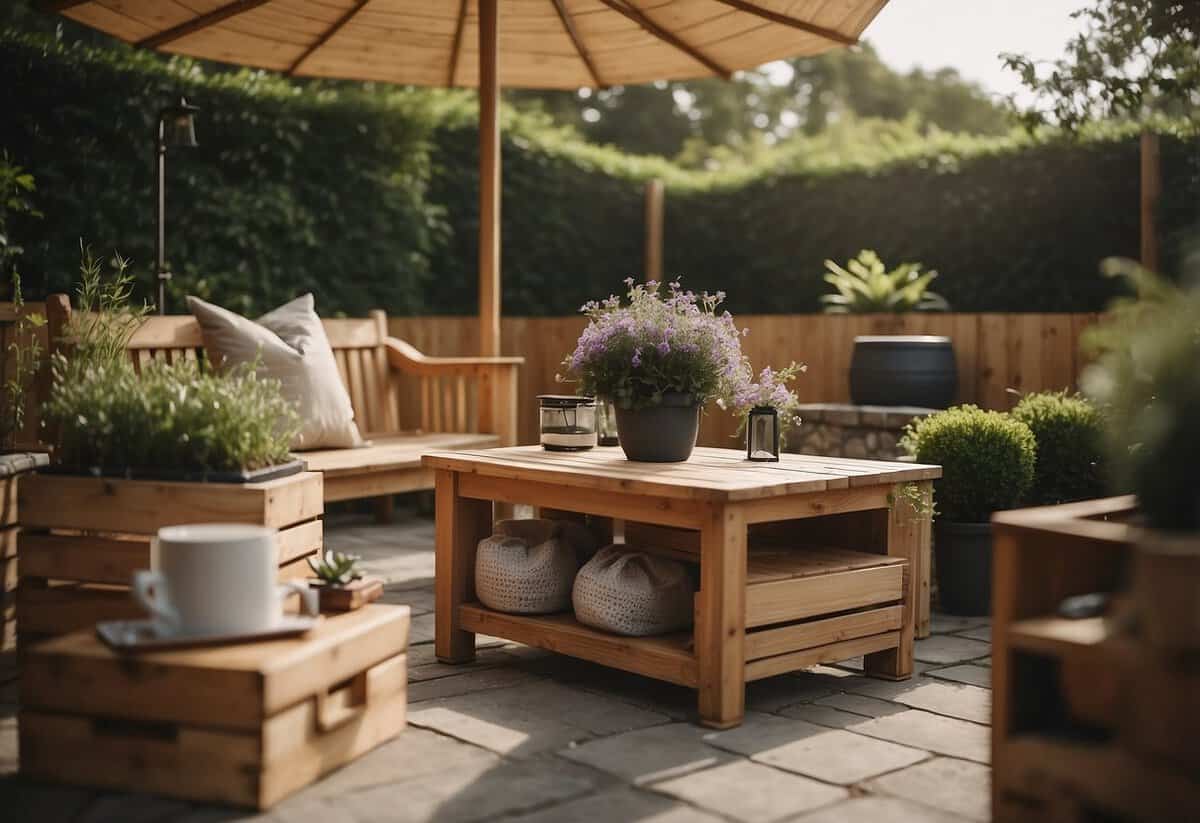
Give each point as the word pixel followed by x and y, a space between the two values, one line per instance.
pixel 632 592
pixel 526 567
pixel 291 346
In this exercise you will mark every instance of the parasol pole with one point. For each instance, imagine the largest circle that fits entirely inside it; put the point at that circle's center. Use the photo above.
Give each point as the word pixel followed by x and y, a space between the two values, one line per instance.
pixel 489 182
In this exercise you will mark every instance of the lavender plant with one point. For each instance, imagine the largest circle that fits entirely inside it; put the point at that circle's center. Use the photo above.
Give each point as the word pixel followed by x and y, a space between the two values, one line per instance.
pixel 677 342
pixel 770 390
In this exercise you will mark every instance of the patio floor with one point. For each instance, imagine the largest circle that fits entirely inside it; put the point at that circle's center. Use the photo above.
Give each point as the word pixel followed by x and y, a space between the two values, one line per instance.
pixel 525 735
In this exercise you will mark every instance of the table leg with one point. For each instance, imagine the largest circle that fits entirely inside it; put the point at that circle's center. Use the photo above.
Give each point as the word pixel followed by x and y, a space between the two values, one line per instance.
pixel 461 523
pixel 907 537
pixel 721 618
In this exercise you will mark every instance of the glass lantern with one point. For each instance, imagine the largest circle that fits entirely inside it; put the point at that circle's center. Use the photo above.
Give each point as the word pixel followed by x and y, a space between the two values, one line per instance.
pixel 606 422
pixel 762 435
pixel 568 422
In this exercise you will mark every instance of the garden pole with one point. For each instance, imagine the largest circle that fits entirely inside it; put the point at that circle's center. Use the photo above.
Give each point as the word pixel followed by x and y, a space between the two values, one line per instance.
pixel 1151 189
pixel 489 183
pixel 654 229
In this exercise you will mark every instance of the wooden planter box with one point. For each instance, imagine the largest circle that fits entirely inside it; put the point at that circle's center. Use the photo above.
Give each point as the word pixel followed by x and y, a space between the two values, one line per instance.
pixel 245 724
pixel 1091 717
pixel 12 467
pixel 83 537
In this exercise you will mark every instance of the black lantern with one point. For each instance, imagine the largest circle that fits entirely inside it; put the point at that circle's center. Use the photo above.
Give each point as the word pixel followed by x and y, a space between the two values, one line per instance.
pixel 762 435
pixel 176 129
pixel 568 422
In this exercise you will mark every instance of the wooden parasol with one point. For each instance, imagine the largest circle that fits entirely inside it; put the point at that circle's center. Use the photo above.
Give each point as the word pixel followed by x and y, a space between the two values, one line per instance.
pixel 556 44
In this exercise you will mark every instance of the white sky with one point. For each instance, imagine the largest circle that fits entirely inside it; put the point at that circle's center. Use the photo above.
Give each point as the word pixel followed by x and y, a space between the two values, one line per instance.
pixel 969 34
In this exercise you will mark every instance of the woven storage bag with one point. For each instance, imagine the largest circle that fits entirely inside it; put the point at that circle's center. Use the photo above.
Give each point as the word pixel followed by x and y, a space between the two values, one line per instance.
pixel 630 592
pixel 525 567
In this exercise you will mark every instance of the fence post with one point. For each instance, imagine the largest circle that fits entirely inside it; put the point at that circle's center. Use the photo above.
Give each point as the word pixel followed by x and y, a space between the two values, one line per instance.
pixel 654 229
pixel 1151 189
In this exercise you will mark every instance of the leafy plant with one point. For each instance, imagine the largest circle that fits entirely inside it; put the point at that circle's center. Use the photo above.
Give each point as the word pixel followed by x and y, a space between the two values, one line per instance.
pixel 987 460
pixel 1069 431
pixel 636 353
pixel 866 286
pixel 16 188
pixel 1146 377
pixel 335 568
pixel 22 362
pixel 769 390
pixel 105 317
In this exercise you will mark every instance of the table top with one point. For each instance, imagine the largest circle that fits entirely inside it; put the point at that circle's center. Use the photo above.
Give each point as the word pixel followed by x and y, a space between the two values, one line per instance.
pixel 709 474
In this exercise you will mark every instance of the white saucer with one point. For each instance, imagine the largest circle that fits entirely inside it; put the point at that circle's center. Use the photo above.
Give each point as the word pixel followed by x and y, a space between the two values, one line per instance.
pixel 149 635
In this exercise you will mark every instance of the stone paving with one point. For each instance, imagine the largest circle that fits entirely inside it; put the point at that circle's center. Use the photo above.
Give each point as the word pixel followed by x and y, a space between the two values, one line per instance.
pixel 524 735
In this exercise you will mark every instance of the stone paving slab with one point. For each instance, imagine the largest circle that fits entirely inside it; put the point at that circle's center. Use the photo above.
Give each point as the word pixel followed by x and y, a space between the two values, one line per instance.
pixel 617 806
pixel 947 648
pixel 951 699
pixel 956 786
pixel 948 623
pixel 910 727
pixel 649 755
pixel 878 810
pixel 983 633
pixel 831 755
pixel 751 792
pixel 970 673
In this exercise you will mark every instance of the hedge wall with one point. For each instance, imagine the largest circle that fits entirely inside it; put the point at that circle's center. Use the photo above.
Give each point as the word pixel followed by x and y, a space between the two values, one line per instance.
pixel 369 199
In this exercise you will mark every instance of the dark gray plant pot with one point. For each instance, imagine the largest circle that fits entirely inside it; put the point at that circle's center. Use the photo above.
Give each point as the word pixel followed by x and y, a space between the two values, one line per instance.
pixel 963 563
pixel 903 370
pixel 660 434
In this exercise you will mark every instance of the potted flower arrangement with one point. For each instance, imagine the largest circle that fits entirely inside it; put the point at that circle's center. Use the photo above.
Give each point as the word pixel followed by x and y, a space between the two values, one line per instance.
pixel 987 460
pixel 660 357
pixel 893 370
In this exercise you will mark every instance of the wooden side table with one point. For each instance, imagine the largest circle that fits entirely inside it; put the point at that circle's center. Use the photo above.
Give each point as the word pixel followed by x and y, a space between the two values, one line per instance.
pixel 809 560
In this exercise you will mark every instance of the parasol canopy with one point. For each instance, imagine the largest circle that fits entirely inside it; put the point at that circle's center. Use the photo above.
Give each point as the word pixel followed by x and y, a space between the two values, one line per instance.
pixel 548 44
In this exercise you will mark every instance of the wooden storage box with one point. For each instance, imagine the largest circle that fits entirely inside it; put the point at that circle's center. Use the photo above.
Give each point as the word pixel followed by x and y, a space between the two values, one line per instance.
pixel 244 725
pixel 83 537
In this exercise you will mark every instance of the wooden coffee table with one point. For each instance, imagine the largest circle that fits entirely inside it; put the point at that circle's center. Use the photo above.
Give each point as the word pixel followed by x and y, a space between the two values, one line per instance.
pixel 809 560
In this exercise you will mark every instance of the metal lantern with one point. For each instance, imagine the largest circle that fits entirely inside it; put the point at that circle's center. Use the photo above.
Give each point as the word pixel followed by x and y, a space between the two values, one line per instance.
pixel 568 422
pixel 606 423
pixel 176 129
pixel 762 435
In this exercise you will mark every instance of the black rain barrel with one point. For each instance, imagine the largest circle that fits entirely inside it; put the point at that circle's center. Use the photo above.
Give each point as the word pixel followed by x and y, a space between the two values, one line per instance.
pixel 903 370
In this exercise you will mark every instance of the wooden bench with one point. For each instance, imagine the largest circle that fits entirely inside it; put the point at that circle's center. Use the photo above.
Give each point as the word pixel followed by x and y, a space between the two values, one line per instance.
pixel 404 402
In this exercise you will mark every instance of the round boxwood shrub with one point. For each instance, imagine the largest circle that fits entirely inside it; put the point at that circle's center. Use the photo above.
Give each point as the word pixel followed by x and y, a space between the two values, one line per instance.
pixel 1069 432
pixel 987 460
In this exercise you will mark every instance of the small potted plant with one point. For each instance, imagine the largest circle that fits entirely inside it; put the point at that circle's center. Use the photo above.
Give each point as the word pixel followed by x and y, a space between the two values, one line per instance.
pixel 660 357
pixel 341 584
pixel 987 460
pixel 893 370
pixel 1069 431
pixel 767 408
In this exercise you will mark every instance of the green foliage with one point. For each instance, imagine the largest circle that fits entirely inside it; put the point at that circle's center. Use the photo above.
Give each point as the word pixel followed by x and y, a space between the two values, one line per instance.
pixel 21 363
pixel 1135 57
pixel 171 416
pixel 866 286
pixel 104 317
pixel 1069 431
pixel 1148 379
pixel 16 190
pixel 363 194
pixel 987 460
pixel 335 568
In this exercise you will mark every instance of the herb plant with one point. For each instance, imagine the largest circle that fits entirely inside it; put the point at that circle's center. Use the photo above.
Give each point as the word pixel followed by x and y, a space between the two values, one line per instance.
pixel 1069 431
pixel 20 363
pixel 866 286
pixel 335 568
pixel 659 343
pixel 987 460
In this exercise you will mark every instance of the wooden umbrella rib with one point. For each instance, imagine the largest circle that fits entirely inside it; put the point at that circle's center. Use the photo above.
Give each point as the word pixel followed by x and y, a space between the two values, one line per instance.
pixel 635 14
pixel 329 33
pixel 573 33
pixel 454 48
pixel 202 22
pixel 785 20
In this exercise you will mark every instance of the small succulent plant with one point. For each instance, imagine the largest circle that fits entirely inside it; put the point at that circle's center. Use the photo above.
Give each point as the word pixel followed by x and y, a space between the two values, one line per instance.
pixel 335 568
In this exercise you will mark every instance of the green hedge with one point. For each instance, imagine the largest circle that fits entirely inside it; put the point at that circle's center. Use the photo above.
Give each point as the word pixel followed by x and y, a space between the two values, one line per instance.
pixel 369 198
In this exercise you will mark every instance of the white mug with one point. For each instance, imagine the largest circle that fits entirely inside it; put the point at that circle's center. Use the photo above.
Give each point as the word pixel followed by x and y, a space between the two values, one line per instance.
pixel 216 578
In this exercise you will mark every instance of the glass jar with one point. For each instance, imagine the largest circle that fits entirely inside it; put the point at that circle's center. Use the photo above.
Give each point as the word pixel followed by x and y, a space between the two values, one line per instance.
pixel 568 422
pixel 762 435
pixel 606 423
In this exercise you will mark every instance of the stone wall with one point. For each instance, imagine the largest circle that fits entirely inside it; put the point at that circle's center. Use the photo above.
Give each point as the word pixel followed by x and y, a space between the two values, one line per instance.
pixel 844 430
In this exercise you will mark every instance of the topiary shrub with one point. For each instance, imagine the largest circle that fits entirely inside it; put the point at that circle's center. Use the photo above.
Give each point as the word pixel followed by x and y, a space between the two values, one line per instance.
pixel 1069 431
pixel 987 460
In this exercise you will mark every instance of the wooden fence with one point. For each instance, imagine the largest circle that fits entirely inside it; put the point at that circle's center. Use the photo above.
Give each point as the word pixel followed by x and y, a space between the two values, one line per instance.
pixel 995 352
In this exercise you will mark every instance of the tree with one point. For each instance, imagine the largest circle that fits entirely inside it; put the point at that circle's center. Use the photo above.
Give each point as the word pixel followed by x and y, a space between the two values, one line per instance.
pixel 1135 58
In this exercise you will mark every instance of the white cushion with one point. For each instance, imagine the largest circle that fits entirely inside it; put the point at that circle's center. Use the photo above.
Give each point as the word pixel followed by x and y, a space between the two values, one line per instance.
pixel 291 346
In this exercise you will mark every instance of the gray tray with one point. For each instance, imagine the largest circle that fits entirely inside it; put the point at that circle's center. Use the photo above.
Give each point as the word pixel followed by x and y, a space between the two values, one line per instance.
pixel 143 635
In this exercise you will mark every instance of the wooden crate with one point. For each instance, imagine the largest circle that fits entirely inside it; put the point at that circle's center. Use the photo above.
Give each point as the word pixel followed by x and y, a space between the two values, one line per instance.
pixel 12 468
pixel 244 725
pixel 83 537
pixel 1090 719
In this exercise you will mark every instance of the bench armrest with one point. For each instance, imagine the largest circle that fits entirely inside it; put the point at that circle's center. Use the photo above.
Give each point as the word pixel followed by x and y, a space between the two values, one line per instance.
pixel 496 376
